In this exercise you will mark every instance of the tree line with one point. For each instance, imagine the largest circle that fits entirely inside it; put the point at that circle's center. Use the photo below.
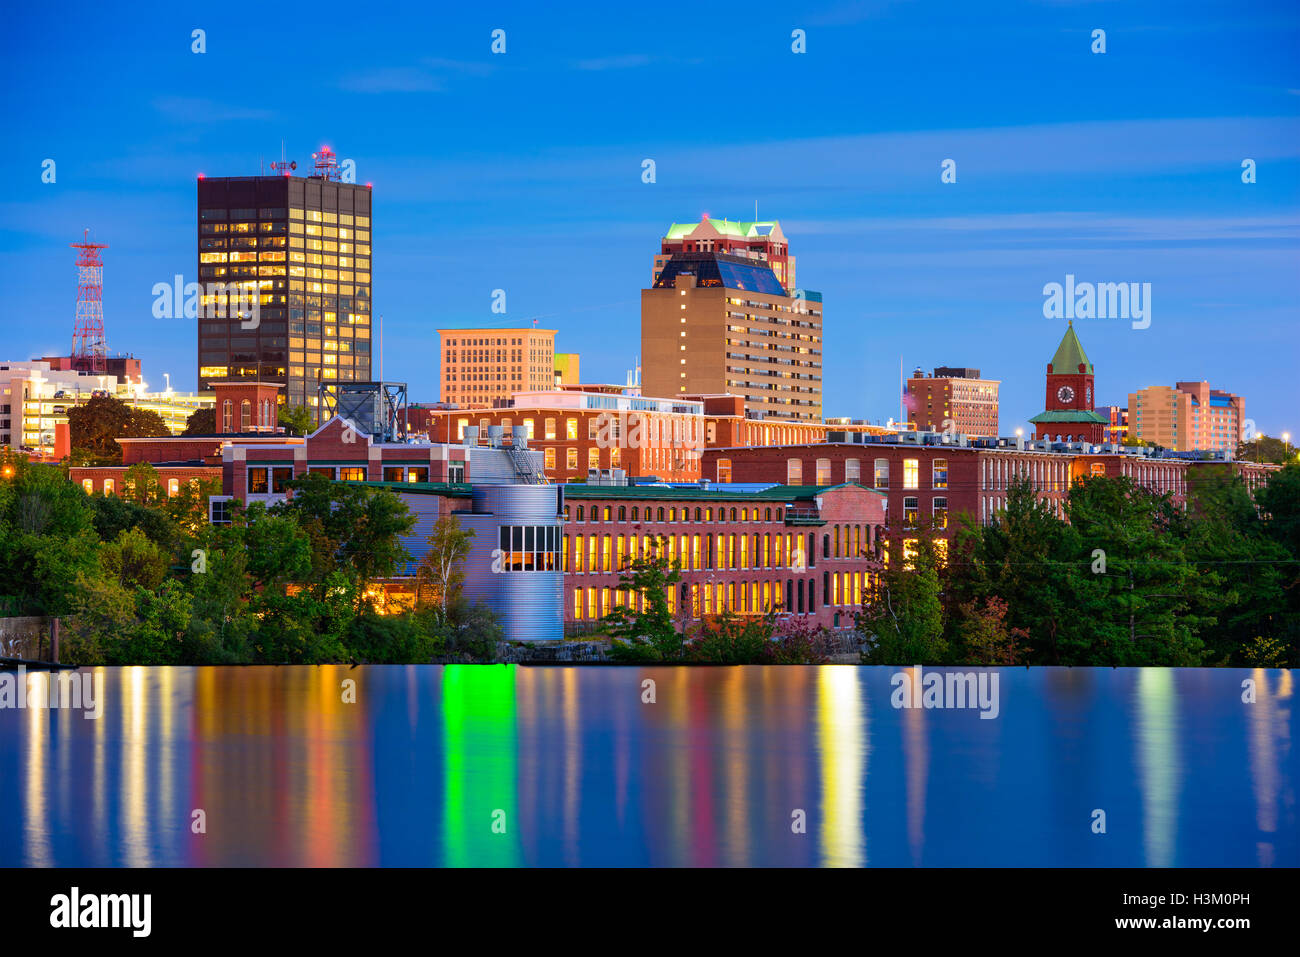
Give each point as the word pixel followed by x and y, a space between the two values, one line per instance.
pixel 1127 578
pixel 143 578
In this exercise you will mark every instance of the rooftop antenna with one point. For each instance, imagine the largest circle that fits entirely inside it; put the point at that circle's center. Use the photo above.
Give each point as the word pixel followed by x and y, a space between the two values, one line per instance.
pixel 327 166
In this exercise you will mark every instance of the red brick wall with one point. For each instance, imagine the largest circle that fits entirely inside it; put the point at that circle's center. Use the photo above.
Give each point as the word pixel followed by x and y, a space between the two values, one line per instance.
pixel 857 515
pixel 77 475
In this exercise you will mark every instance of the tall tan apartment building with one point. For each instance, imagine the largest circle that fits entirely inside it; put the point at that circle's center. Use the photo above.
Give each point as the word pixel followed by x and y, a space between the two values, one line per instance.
pixel 483 368
pixel 954 396
pixel 718 319
pixel 1189 416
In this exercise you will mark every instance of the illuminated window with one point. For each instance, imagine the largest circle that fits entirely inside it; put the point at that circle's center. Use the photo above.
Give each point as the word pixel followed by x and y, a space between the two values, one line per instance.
pixel 910 508
pixel 911 473
pixel 940 513
pixel 548 459
pixel 882 473
pixel 823 471
pixel 940 473
pixel 571 459
pixel 793 472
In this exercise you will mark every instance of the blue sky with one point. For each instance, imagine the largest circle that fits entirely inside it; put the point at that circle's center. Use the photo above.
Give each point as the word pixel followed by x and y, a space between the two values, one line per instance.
pixel 522 171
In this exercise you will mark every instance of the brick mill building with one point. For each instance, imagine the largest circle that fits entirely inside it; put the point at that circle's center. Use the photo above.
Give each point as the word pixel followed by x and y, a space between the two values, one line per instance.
pixel 802 550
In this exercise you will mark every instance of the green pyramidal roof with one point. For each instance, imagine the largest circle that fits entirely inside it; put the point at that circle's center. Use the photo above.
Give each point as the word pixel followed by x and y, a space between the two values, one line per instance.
pixel 1070 355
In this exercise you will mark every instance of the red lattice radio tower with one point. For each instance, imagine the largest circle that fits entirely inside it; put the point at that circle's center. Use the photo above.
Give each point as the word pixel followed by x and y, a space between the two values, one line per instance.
pixel 89 348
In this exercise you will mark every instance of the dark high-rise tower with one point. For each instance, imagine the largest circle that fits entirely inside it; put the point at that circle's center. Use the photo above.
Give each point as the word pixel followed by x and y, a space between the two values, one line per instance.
pixel 302 244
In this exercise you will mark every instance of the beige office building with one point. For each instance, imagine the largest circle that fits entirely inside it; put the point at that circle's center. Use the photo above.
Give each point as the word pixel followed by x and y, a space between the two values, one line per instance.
pixel 717 323
pixel 1189 416
pixel 483 368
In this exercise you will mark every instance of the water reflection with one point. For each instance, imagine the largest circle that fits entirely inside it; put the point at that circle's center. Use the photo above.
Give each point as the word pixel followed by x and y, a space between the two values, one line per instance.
pixel 509 766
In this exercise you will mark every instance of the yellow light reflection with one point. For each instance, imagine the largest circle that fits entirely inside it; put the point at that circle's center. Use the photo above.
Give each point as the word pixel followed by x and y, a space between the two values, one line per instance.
pixel 844 744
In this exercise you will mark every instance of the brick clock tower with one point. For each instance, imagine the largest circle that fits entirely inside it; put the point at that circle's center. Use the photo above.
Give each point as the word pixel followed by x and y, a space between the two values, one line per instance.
pixel 1070 416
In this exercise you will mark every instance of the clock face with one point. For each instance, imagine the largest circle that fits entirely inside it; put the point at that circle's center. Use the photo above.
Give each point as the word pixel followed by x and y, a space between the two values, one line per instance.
pixel 1065 394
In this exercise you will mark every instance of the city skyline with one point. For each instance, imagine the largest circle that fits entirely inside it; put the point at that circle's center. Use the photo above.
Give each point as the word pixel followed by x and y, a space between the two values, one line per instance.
pixel 1094 170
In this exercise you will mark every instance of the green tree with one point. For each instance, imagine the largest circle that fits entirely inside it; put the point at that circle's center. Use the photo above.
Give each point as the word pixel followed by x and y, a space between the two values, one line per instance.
pixel 133 561
pixel 650 633
pixel 903 622
pixel 1030 559
pixel 47 538
pixel 295 419
pixel 1279 504
pixel 354 529
pixel 443 566
pixel 201 422
pixel 95 427
pixel 188 508
pixel 1222 532
pixel 985 637
pixel 730 639
pixel 140 484
pixel 1265 448
pixel 1141 609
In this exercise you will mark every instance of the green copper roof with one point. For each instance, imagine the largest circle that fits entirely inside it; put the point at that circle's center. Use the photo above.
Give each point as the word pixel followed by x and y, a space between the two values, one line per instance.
pixel 1070 355
pixel 1069 415
pixel 726 227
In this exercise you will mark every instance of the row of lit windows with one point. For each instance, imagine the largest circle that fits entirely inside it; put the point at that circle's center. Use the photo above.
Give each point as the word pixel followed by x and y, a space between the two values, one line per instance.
pixel 745 598
pixel 604 554
pixel 527 548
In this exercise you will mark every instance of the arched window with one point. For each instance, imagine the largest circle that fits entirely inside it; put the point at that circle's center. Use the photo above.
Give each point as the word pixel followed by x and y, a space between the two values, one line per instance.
pixel 581 512
pixel 245 415
pixel 826 545
pixel 698 514
pixel 622 513
pixel 661 513
pixel 733 514
pixel 812 549
pixel 227 410
pixel 635 512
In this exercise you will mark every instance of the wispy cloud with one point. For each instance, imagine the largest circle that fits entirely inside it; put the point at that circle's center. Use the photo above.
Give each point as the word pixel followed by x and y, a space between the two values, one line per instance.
pixel 195 109
pixel 429 75
pixel 392 79
pixel 625 61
